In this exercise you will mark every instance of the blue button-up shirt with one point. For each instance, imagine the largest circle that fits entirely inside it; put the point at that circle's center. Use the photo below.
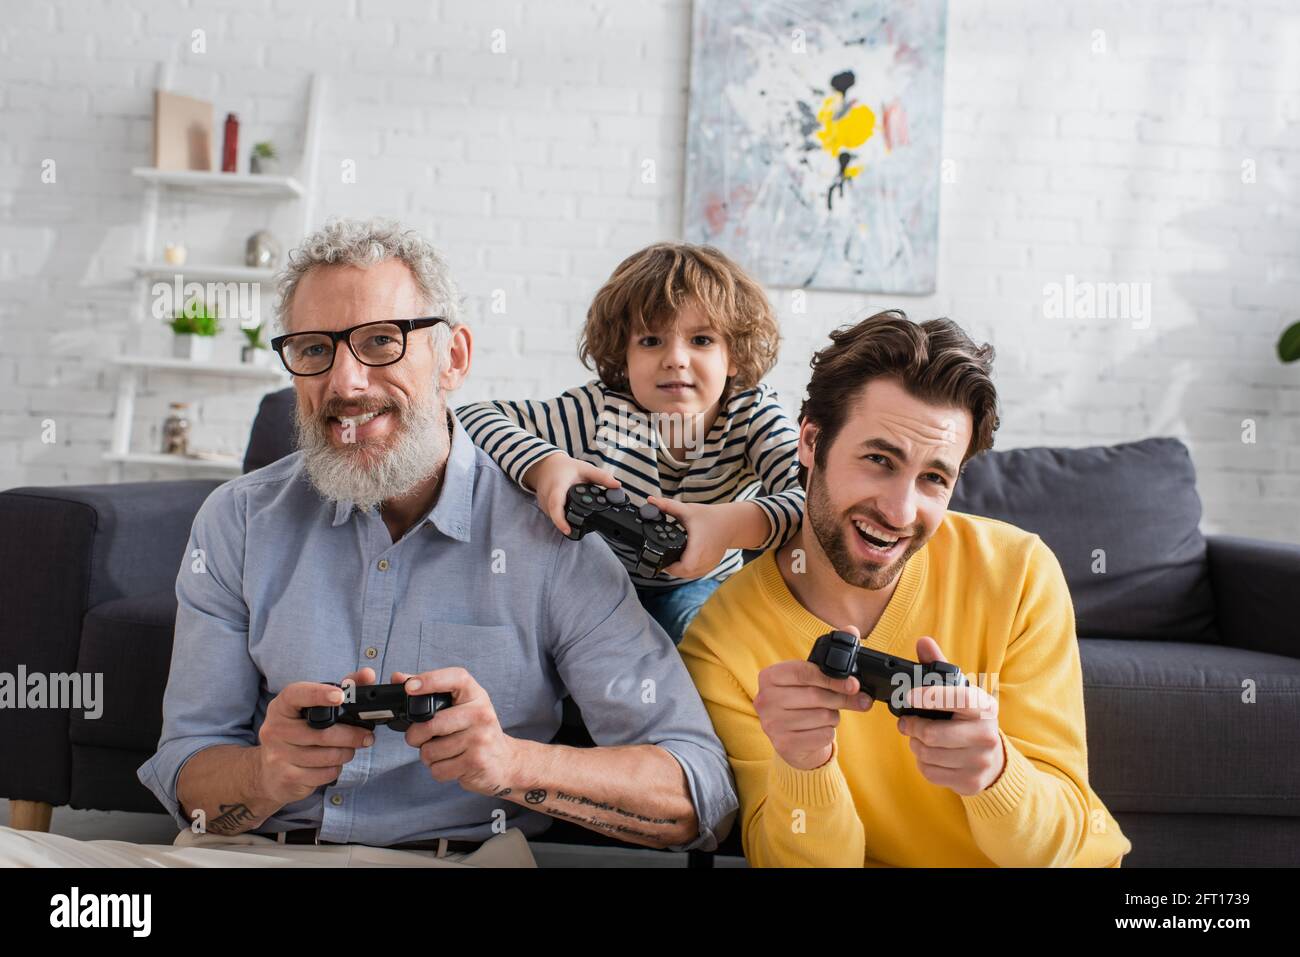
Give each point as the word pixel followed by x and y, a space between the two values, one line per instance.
pixel 279 585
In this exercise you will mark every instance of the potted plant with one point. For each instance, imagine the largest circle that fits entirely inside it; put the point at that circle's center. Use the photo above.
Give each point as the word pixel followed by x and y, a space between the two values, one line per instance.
pixel 264 159
pixel 1288 347
pixel 194 326
pixel 256 352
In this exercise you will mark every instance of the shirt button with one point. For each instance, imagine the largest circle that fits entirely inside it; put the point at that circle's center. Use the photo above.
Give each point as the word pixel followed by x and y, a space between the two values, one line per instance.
pixel 383 564
pixel 371 652
pixel 336 799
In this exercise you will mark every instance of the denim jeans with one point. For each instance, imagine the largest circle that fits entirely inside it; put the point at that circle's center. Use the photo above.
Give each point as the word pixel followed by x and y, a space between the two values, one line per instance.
pixel 674 608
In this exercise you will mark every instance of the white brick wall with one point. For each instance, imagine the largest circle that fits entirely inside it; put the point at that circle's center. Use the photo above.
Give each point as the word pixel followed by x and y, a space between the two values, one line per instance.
pixel 524 166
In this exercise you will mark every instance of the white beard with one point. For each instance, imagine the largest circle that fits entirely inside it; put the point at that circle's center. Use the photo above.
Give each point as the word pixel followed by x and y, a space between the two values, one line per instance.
pixel 368 474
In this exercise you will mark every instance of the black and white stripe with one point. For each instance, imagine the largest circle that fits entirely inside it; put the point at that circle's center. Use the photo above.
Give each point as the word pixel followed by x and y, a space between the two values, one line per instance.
pixel 750 454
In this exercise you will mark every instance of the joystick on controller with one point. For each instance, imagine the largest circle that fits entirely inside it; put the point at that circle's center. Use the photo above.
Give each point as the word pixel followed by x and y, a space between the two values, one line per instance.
pixel 659 539
pixel 378 704
pixel 840 655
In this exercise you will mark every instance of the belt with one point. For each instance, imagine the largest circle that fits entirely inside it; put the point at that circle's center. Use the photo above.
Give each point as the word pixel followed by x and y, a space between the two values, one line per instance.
pixel 310 835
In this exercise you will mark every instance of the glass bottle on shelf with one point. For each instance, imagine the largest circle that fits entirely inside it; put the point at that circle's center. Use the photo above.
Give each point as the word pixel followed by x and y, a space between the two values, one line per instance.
pixel 176 430
pixel 230 146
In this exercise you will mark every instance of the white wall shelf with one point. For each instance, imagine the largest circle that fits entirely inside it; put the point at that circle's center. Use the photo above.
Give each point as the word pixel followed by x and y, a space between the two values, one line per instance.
pixel 233 187
pixel 272 373
pixel 203 272
pixel 231 466
pixel 247 184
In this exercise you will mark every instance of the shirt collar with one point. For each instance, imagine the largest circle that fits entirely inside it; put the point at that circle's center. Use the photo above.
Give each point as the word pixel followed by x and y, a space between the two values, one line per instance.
pixel 451 512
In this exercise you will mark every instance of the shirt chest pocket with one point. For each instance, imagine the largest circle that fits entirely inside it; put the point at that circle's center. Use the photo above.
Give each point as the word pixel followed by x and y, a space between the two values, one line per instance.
pixel 490 653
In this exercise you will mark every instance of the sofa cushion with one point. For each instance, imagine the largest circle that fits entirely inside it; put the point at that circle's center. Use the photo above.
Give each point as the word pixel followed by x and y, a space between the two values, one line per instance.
pixel 272 436
pixel 1136 503
pixel 1210 840
pixel 129 642
pixel 1169 731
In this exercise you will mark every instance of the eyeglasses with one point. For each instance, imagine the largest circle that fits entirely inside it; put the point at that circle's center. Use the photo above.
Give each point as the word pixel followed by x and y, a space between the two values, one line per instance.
pixel 378 343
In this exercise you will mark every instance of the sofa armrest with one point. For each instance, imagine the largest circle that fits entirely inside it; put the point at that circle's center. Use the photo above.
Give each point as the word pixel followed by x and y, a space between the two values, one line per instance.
pixel 64 551
pixel 1255 585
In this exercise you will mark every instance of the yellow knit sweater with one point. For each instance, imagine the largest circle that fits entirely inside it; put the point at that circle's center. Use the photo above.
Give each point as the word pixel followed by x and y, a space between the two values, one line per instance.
pixel 995 599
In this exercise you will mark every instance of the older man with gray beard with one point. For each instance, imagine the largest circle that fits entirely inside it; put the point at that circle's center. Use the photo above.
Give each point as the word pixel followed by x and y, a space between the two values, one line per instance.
pixel 389 544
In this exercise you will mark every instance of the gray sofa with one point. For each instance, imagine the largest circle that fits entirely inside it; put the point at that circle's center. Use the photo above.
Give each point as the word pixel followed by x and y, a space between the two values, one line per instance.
pixel 1171 635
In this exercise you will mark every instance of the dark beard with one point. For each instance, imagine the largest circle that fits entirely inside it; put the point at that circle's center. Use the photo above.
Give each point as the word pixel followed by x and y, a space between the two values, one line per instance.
pixel 831 529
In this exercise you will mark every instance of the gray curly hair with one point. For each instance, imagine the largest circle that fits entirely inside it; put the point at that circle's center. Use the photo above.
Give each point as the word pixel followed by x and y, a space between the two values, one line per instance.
pixel 368 242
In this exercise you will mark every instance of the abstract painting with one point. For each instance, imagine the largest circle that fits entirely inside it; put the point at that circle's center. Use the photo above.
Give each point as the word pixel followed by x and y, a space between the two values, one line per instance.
pixel 813 152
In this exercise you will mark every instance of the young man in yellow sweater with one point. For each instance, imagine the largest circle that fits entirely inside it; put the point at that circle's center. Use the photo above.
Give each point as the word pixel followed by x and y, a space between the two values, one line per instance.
pixel 825 778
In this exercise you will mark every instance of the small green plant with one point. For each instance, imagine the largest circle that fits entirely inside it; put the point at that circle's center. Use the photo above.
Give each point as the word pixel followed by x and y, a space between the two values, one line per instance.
pixel 1288 347
pixel 265 150
pixel 254 336
pixel 196 318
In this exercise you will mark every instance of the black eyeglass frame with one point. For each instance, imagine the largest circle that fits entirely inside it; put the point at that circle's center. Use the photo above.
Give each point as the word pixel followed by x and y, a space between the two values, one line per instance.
pixel 345 335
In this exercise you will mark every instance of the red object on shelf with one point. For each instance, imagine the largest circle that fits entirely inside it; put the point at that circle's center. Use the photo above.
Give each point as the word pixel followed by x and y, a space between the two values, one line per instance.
pixel 230 148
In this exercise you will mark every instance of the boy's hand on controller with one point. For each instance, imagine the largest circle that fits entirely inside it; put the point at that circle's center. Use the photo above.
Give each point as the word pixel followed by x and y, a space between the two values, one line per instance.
pixel 553 476
pixel 799 708
pixel 464 742
pixel 709 533
pixel 965 754
pixel 295 759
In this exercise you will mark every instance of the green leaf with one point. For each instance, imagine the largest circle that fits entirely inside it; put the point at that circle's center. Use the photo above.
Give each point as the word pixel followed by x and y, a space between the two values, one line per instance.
pixel 1288 347
pixel 195 318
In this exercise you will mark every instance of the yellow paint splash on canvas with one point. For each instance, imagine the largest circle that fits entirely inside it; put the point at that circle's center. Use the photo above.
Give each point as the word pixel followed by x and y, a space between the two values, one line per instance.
pixel 849 131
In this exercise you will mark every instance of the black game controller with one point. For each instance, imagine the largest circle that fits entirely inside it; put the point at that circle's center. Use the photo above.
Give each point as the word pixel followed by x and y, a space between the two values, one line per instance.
pixel 840 655
pixel 378 704
pixel 659 539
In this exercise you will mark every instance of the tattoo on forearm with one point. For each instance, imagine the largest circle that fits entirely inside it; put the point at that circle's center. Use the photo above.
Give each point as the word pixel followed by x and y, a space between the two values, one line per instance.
pixel 602 825
pixel 230 819
pixel 535 796
pixel 602 806
pixel 501 792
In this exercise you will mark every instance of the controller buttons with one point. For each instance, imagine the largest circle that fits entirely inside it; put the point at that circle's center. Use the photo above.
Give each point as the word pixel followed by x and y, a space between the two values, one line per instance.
pixel 650 512
pixel 580 489
pixel 616 495
pixel 587 500
pixel 837 659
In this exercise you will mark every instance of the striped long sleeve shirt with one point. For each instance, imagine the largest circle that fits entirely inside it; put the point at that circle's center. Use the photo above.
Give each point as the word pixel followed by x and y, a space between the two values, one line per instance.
pixel 750 454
